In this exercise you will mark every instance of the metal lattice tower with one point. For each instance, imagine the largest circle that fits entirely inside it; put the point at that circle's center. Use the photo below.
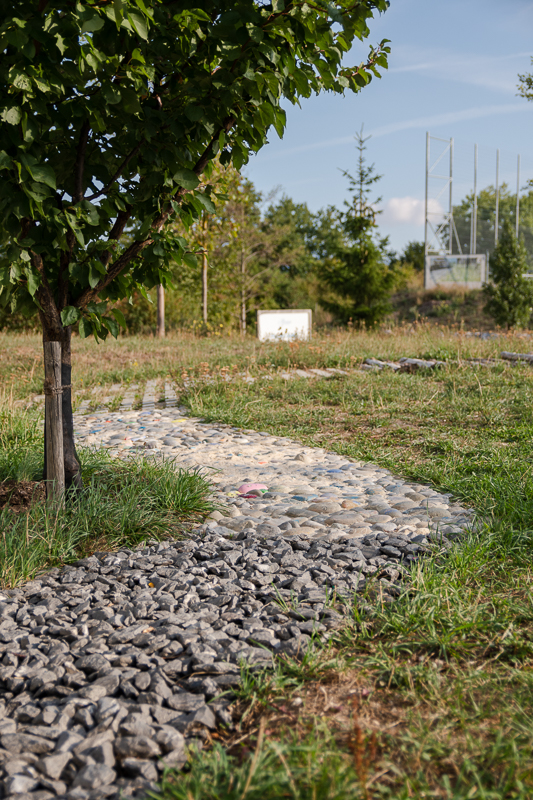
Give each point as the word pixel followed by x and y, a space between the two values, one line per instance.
pixel 439 225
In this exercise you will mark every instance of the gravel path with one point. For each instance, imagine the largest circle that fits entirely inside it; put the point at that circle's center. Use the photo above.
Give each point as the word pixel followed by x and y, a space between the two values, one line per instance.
pixel 111 668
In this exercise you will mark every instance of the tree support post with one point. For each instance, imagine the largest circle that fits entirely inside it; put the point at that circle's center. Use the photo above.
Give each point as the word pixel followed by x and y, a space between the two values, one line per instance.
pixel 204 267
pixel 204 285
pixel 160 332
pixel 53 420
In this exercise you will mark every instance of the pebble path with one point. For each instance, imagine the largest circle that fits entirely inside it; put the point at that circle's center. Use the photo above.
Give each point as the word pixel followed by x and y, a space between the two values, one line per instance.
pixel 110 669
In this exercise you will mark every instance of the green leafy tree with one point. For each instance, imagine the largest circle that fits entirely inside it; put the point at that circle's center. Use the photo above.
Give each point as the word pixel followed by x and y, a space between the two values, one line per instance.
pixel 289 226
pixel 509 295
pixel 359 275
pixel 112 111
pixel 413 256
pixel 486 219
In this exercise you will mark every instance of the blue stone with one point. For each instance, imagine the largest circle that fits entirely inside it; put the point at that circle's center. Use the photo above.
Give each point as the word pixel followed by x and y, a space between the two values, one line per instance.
pixel 335 470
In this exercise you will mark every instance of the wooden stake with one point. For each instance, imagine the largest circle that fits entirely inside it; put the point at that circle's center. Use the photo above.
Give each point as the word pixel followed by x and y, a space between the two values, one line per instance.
pixel 53 414
pixel 204 268
pixel 204 285
pixel 160 312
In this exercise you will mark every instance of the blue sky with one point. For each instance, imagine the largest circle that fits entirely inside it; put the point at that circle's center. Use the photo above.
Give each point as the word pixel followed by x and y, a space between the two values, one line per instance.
pixel 453 71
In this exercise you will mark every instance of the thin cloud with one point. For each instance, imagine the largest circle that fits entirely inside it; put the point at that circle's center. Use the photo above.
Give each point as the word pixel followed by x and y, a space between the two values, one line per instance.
pixel 450 117
pixel 465 62
pixel 408 211
pixel 419 122
pixel 473 70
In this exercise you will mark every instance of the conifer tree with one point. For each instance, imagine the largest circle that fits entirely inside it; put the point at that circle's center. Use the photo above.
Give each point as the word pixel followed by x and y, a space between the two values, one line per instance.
pixel 509 295
pixel 358 278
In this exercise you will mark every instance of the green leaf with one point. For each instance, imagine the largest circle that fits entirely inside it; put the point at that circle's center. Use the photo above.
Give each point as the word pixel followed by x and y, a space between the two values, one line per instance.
pixel 70 315
pixel 12 115
pixel 34 281
pixel 119 316
pixel 37 191
pixel 5 161
pixel 111 95
pixel 97 308
pixel 138 23
pixel 29 50
pixel 90 212
pixel 92 61
pixel 79 272
pixel 95 23
pixel 60 43
pixel 85 327
pixel 194 113
pixel 21 81
pixel 94 275
pixel 130 101
pixel 186 178
pixel 119 11
pixel 111 326
pixel 43 86
pixel 16 37
pixel 206 202
pixel 191 260
pixel 43 173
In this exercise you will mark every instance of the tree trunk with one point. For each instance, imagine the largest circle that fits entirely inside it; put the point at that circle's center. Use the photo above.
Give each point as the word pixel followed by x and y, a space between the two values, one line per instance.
pixel 160 331
pixel 71 466
pixel 54 473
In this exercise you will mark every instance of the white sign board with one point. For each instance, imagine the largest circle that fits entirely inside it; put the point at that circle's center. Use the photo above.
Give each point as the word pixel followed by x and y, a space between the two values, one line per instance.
pixel 468 272
pixel 284 325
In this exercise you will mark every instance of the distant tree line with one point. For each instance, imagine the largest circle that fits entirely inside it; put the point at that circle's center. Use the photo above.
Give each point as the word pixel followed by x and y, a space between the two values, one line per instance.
pixel 262 252
pixel 256 252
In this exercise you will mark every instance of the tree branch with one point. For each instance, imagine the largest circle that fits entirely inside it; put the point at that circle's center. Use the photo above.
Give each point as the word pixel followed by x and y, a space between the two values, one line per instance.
pixel 118 173
pixel 80 162
pixel 116 232
pixel 48 311
pixel 136 248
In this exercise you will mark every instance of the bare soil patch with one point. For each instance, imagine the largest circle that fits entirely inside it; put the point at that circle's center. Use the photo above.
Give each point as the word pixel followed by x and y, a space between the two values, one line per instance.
pixel 20 495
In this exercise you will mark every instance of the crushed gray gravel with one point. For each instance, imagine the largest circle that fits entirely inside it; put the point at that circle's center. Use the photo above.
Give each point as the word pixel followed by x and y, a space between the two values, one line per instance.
pixel 112 668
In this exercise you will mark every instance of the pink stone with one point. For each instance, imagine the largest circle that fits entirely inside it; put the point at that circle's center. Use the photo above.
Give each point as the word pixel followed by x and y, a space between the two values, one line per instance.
pixel 248 487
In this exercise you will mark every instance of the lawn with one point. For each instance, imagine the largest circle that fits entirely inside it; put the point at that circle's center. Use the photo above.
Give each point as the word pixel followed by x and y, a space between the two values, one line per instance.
pixel 134 359
pixel 430 696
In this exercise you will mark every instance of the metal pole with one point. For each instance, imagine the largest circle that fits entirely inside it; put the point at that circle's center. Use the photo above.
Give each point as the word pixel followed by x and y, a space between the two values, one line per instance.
pixel 473 226
pixel 426 243
pixel 518 196
pixel 450 243
pixel 497 217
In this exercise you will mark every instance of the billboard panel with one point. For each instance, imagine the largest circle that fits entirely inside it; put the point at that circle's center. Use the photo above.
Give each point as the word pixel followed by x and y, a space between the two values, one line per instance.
pixel 467 272
pixel 284 325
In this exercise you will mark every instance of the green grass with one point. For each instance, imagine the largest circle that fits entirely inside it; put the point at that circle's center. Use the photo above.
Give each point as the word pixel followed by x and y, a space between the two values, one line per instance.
pixel 442 678
pixel 123 503
pixel 135 359
pixel 21 442
pixel 449 665
pixel 309 769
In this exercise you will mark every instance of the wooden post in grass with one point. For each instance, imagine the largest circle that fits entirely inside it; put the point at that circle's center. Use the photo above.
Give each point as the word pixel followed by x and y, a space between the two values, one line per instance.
pixel 160 330
pixel 53 420
pixel 204 285
pixel 204 267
